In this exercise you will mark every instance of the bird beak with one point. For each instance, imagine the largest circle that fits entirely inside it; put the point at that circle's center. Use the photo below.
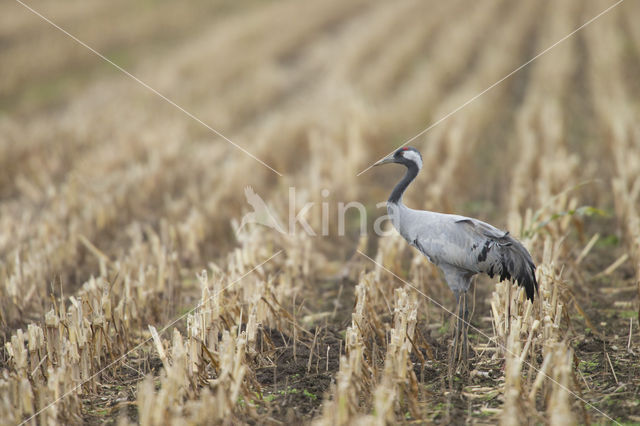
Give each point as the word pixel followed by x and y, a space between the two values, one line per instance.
pixel 386 160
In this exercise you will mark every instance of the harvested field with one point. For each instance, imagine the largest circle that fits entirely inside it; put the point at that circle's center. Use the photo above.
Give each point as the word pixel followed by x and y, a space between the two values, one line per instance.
pixel 141 282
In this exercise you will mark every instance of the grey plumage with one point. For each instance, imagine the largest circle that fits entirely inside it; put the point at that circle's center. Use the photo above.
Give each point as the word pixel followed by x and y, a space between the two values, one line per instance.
pixel 463 247
pixel 460 246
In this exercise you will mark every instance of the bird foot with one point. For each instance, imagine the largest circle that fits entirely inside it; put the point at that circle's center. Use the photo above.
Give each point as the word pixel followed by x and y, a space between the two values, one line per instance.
pixel 461 351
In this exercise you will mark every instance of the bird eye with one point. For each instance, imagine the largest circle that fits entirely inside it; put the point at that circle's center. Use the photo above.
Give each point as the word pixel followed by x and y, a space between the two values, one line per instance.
pixel 401 150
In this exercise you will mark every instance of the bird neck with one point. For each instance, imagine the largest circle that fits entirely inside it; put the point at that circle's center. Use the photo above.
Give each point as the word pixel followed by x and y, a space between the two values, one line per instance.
pixel 396 195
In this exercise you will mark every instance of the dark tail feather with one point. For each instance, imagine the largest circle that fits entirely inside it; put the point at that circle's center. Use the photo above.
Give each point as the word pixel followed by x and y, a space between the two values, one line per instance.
pixel 518 266
pixel 528 281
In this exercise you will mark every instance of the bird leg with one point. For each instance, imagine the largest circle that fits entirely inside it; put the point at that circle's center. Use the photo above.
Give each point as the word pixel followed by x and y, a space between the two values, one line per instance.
pixel 465 327
pixel 458 328
pixel 460 334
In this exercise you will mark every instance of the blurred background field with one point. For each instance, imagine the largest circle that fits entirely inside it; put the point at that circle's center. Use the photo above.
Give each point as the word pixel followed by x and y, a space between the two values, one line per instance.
pixel 113 202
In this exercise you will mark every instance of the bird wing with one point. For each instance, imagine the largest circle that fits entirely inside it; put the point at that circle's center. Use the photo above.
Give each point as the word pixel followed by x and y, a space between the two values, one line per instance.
pixel 495 252
pixel 463 246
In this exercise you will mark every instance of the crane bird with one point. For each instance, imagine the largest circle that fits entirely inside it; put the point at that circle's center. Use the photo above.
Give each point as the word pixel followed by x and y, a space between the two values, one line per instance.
pixel 460 246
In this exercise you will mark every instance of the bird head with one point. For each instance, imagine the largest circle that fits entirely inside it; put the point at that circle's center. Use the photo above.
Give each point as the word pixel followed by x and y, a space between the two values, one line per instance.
pixel 406 155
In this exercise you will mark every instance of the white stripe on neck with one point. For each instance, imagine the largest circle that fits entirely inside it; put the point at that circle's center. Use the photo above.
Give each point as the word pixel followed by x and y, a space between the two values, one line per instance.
pixel 413 156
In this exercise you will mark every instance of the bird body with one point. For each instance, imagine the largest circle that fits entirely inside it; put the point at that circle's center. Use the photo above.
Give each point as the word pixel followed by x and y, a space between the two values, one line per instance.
pixel 460 246
pixel 463 247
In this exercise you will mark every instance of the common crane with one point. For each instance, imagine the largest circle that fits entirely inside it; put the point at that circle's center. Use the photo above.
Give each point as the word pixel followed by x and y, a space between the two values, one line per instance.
pixel 460 246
